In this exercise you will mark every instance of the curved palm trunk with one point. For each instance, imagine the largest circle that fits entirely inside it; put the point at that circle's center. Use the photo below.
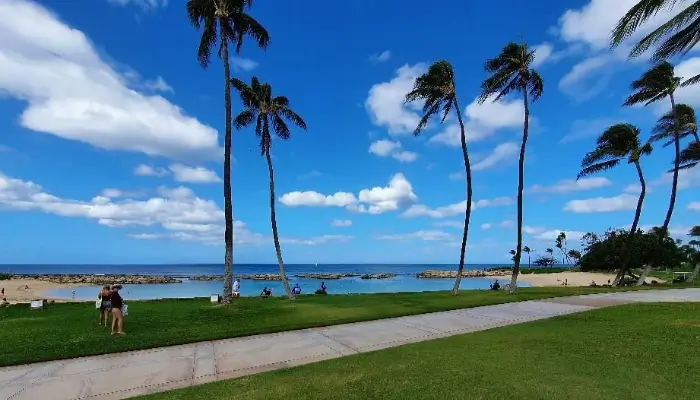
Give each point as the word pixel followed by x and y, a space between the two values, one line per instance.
pixel 275 236
pixel 521 178
pixel 633 231
pixel 468 212
pixel 228 204
pixel 674 185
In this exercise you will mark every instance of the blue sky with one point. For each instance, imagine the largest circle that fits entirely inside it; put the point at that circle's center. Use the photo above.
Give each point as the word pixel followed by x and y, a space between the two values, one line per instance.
pixel 110 147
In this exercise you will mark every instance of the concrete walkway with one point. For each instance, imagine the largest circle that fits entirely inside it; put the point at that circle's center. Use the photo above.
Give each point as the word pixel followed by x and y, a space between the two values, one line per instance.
pixel 123 375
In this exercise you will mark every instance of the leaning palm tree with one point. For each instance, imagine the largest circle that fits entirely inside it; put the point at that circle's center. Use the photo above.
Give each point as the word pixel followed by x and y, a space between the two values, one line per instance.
pixel 656 84
pixel 665 126
pixel 677 35
pixel 437 90
pixel 619 142
pixel 511 72
pixel 266 110
pixel 224 21
pixel 527 251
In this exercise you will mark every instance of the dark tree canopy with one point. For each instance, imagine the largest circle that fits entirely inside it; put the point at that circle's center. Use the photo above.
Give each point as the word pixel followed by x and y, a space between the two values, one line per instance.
pixel 606 254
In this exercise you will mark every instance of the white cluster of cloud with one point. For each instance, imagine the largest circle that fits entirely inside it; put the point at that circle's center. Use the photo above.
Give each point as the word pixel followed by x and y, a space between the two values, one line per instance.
pixel 572 185
pixel 341 223
pixel 419 210
pixel 180 172
pixel 71 92
pixel 541 233
pixel 386 108
pixel 175 213
pixel 243 64
pixel 389 148
pixel 144 4
pixel 376 200
pixel 380 57
pixel 428 235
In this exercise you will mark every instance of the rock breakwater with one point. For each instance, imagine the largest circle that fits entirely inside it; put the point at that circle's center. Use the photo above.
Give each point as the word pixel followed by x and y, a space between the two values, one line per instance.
pixel 377 276
pixel 438 274
pixel 88 279
pixel 327 276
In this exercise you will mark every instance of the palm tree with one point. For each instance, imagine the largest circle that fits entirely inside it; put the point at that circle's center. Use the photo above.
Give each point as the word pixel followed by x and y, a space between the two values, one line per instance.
pixel 511 72
pixel 680 34
pixel 266 110
pixel 560 243
pixel 575 255
pixel 690 156
pixel 550 251
pixel 656 84
pixel 528 251
pixel 665 126
pixel 437 90
pixel 694 232
pixel 224 21
pixel 617 143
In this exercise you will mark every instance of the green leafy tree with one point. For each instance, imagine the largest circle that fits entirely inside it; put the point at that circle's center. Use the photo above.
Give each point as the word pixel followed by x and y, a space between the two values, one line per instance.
pixel 607 254
pixel 545 261
pixel 694 232
pixel 268 113
pixel 225 22
pixel 676 36
pixel 574 255
pixel 511 72
pixel 656 84
pixel 437 90
pixel 617 143
pixel 527 250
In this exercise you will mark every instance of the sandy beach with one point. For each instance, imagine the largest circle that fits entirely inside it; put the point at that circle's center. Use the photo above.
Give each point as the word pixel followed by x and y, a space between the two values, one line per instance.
pixel 572 278
pixel 26 290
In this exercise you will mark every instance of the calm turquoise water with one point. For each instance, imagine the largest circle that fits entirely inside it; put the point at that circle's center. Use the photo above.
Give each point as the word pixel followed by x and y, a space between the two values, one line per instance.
pixel 405 280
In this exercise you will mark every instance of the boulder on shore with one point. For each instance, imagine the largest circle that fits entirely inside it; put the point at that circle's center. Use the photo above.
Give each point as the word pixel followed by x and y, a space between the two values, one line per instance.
pixel 326 276
pixel 377 276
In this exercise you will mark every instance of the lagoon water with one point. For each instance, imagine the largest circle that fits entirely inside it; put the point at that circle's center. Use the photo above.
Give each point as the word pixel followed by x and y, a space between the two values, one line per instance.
pixel 405 281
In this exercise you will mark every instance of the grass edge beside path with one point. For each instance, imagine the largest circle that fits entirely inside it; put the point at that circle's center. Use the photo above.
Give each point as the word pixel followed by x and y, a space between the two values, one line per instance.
pixel 70 330
pixel 576 356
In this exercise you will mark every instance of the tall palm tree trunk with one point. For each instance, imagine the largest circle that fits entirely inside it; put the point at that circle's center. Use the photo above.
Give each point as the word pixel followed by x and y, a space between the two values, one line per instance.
pixel 627 253
pixel 521 179
pixel 228 204
pixel 273 221
pixel 674 185
pixel 468 212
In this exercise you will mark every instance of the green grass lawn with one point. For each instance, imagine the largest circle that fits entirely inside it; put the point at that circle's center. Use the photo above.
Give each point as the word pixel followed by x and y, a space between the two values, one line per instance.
pixel 648 351
pixel 70 330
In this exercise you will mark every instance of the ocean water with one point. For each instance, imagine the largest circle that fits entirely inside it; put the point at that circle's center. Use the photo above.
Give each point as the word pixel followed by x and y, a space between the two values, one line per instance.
pixel 405 281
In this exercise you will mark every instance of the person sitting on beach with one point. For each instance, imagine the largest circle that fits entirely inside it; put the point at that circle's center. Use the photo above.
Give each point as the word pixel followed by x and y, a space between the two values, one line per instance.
pixel 116 302
pixel 266 292
pixel 496 285
pixel 296 289
pixel 105 304
pixel 5 302
pixel 593 283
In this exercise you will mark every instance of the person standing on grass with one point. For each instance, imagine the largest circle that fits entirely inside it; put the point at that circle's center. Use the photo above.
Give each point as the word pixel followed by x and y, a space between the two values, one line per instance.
pixel 117 303
pixel 105 304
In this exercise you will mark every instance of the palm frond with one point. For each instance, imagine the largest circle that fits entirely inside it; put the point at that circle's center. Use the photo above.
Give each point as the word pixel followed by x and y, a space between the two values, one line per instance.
pixel 249 26
pixel 245 118
pixel 265 138
pixel 675 24
pixel 280 127
pixel 694 231
pixel 293 117
pixel 535 85
pixel 679 43
pixel 435 89
pixel 595 168
pixel 510 72
pixel 655 84
pixel 690 154
pixel 635 17
pixel 691 81
pixel 280 101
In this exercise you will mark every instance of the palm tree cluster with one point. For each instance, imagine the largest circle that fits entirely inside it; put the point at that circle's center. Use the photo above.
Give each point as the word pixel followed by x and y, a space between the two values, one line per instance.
pixel 223 23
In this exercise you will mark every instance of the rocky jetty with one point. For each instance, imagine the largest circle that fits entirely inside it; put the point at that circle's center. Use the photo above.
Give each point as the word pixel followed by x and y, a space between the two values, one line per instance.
pixel 88 279
pixel 252 277
pixel 437 274
pixel 377 276
pixel 326 276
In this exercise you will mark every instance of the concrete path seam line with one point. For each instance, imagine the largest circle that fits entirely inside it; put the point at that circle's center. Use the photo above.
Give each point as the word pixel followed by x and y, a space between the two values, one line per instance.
pixel 51 372
pixel 337 341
